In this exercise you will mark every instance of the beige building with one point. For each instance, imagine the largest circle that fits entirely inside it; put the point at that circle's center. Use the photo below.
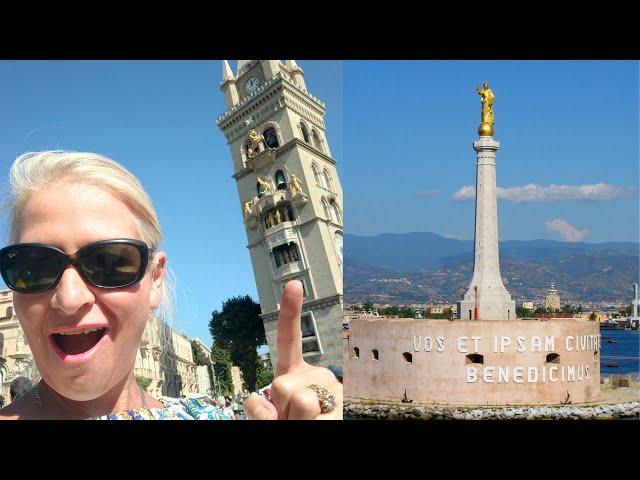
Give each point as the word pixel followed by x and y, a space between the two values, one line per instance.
pixel 528 306
pixel 440 309
pixel 552 300
pixel 165 359
pixel 290 197
pixel 15 355
pixel 237 380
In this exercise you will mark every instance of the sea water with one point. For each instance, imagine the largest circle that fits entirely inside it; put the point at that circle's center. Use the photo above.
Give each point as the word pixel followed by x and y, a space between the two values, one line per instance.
pixel 625 352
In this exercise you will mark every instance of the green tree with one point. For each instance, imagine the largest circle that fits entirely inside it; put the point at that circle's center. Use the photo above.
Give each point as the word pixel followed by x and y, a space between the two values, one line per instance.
pixel 264 376
pixel 238 328
pixel 222 369
pixel 523 312
pixel 593 316
pixel 143 382
pixel 367 305
pixel 200 358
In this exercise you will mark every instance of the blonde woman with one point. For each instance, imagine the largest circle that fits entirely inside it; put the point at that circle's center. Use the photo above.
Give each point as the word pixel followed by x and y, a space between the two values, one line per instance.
pixel 87 270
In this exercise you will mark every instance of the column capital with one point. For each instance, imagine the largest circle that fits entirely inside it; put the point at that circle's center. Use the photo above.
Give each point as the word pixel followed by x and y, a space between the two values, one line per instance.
pixel 486 143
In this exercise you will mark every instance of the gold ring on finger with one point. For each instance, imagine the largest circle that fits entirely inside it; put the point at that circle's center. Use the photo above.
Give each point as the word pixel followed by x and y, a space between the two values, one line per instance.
pixel 327 401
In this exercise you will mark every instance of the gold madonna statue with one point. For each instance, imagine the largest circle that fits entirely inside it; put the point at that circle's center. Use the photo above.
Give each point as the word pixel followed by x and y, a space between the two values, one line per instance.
pixel 486 119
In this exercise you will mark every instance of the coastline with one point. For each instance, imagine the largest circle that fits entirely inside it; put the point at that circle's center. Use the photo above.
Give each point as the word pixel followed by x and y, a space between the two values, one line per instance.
pixel 615 403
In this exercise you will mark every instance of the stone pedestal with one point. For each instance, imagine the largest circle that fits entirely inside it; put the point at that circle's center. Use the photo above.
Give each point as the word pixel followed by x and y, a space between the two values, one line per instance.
pixel 486 297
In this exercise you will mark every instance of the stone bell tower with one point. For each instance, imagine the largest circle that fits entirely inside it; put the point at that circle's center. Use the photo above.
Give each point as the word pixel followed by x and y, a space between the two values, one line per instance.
pixel 290 197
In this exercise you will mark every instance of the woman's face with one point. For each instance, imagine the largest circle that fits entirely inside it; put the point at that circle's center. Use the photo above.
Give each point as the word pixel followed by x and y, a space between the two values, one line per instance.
pixel 69 216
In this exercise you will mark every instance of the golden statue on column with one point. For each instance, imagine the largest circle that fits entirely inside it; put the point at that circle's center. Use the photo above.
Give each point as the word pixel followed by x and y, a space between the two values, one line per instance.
pixel 486 120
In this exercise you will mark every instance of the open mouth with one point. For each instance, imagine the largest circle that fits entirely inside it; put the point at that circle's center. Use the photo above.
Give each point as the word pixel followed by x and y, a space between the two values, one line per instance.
pixel 77 343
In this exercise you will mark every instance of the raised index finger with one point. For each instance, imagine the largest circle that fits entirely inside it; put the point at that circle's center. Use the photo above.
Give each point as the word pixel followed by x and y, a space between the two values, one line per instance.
pixel 289 332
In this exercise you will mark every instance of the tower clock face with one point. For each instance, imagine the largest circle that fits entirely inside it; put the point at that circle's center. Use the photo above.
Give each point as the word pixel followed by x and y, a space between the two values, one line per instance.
pixel 251 85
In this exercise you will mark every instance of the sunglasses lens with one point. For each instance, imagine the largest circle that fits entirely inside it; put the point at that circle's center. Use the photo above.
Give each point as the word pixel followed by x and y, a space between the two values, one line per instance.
pixel 112 265
pixel 31 268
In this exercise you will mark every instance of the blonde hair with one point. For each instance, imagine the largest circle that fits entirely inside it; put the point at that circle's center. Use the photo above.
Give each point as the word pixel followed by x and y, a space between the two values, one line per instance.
pixel 33 171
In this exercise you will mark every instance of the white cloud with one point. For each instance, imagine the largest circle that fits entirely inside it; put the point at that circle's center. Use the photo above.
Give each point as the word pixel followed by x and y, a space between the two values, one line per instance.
pixel 453 236
pixel 532 192
pixel 465 193
pixel 568 232
pixel 428 193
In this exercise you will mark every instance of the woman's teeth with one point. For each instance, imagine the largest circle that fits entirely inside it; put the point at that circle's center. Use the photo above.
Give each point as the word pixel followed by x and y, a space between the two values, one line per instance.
pixel 82 332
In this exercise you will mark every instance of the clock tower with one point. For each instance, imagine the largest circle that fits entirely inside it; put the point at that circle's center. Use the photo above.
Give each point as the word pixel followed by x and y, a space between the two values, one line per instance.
pixel 290 197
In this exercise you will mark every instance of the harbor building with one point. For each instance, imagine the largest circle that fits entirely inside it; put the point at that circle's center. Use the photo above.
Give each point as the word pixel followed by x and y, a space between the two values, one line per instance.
pixel 487 356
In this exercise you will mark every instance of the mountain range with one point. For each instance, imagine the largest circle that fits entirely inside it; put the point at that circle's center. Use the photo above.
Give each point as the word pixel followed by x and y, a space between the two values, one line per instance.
pixel 424 267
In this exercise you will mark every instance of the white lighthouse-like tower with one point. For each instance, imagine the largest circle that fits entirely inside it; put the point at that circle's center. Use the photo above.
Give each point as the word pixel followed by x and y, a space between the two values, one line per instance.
pixel 486 297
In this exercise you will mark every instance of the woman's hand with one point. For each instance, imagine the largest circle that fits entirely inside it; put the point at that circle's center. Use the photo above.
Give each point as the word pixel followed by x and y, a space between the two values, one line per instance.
pixel 290 397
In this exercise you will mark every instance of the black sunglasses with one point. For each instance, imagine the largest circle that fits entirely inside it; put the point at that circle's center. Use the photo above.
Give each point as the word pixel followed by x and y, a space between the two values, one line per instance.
pixel 37 267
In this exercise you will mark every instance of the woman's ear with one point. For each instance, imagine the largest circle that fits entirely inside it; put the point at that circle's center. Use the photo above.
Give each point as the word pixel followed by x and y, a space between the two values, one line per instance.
pixel 157 278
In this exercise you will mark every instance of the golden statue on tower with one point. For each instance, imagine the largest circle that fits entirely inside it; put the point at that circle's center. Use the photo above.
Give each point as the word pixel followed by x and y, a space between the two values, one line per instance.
pixel 486 119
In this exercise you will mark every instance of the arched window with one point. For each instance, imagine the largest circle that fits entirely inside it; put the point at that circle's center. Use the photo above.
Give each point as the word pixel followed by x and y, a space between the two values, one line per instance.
pixel 374 354
pixel 553 358
pixel 336 212
pixel 316 174
pixel 327 180
pixel 259 189
pixel 271 138
pixel 339 242
pixel 281 182
pixel 1 346
pixel 407 357
pixel 474 358
pixel 327 210
pixel 286 253
pixel 316 140
pixel 305 133
pixel 356 352
pixel 307 327
pixel 9 312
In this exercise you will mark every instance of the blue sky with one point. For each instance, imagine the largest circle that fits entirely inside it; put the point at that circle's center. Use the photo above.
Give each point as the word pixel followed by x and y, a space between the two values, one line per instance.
pixel 158 119
pixel 409 128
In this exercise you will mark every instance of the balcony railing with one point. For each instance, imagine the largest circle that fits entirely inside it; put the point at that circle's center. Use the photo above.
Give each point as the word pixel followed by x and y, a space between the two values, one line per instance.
pixel 288 269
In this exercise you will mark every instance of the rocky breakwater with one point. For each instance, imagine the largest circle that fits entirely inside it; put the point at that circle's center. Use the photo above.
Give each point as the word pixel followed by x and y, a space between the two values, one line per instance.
pixel 429 412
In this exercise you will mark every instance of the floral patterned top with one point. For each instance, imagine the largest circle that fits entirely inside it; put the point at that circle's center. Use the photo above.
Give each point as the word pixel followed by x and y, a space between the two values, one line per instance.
pixel 174 409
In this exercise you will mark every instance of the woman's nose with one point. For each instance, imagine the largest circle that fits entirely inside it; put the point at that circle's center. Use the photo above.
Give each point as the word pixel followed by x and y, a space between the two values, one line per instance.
pixel 71 293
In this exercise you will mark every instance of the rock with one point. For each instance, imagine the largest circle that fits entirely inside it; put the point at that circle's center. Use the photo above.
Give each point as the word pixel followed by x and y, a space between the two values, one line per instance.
pixel 457 415
pixel 585 415
pixel 417 411
pixel 477 414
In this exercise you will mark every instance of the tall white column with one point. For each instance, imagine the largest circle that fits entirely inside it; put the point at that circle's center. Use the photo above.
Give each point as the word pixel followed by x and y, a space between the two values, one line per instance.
pixel 486 297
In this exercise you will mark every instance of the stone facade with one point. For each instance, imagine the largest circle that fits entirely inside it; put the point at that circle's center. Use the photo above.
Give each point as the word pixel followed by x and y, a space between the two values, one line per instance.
pixel 202 371
pixel 15 355
pixel 236 380
pixel 290 197
pixel 477 362
pixel 552 300
pixel 166 359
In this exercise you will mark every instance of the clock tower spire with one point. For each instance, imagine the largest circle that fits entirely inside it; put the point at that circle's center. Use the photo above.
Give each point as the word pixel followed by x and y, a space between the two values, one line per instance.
pixel 290 198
